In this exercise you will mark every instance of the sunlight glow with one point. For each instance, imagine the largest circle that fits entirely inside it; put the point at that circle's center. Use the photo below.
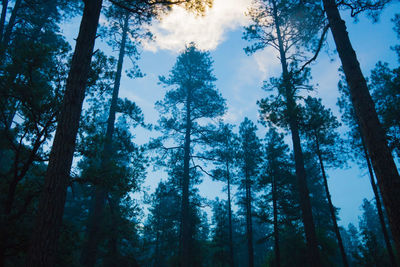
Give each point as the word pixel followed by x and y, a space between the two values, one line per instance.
pixel 181 27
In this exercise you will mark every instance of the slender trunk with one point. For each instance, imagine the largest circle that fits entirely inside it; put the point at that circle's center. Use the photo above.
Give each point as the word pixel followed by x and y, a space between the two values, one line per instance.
pixel 185 223
pixel 43 247
pixel 11 24
pixel 249 224
pixel 305 203
pixel 4 5
pixel 374 136
pixel 379 207
pixel 20 170
pixel 157 251
pixel 276 229
pixel 228 178
pixel 95 223
pixel 113 256
pixel 331 208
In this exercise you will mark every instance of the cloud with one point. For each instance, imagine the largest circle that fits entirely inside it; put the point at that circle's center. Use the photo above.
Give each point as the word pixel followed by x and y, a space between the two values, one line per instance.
pixel 181 27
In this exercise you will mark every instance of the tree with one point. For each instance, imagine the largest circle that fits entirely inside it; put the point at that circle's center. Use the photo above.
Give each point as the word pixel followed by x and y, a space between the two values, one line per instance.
pixel 162 226
pixel 364 109
pixel 371 252
pixel 320 128
pixel 193 97
pixel 123 175
pixel 249 158
pixel 121 24
pixel 351 243
pixel 223 154
pixel 33 73
pixel 51 206
pixel 360 152
pixel 276 172
pixel 44 239
pixel 292 31
pixel 384 84
pixel 221 237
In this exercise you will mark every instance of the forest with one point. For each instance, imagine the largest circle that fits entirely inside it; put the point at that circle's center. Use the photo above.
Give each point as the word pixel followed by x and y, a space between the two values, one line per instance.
pixel 80 187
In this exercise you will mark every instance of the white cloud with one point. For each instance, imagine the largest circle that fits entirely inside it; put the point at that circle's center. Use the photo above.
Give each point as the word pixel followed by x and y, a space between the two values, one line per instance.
pixel 181 27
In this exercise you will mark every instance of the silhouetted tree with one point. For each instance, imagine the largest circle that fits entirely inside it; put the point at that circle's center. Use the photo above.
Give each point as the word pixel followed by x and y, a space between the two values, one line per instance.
pixel 320 128
pixel 291 28
pixel 193 97
pixel 365 111
pixel 249 157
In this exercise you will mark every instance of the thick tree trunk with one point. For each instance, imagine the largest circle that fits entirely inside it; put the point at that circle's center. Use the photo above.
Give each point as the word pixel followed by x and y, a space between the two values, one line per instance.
pixel 331 208
pixel 375 139
pixel 228 179
pixel 43 245
pixel 276 226
pixel 249 222
pixel 305 203
pixel 185 223
pixel 379 207
pixel 95 223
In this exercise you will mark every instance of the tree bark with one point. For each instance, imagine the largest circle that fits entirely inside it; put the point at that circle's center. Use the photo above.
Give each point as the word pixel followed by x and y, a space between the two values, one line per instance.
pixel 305 203
pixel 276 228
pixel 95 224
pixel 228 179
pixel 371 129
pixel 249 223
pixel 185 223
pixel 331 207
pixel 43 247
pixel 379 207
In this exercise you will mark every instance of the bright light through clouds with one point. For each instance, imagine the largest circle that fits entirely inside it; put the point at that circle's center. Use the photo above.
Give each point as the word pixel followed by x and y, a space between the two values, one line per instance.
pixel 180 27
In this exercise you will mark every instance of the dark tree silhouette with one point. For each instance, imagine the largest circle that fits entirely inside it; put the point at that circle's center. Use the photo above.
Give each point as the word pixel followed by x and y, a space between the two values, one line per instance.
pixel 371 129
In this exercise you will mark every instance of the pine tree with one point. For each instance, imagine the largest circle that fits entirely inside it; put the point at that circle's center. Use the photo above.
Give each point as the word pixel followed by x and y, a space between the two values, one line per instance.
pixel 320 128
pixel 370 249
pixel 364 109
pixel 49 218
pixel 223 154
pixel 360 152
pixel 249 158
pixel 276 175
pixel 193 97
pixel 291 29
pixel 121 24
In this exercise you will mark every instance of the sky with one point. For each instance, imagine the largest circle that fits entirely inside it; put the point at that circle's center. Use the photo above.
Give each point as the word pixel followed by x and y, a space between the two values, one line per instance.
pixel 240 79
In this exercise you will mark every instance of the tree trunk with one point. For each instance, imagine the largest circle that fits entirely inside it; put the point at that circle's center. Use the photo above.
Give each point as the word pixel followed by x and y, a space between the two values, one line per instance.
pixel 276 228
pixel 43 245
pixel 331 207
pixel 113 255
pixel 249 223
pixel 10 25
pixel 379 207
pixel 95 223
pixel 4 4
pixel 185 223
pixel 305 203
pixel 228 178
pixel 375 139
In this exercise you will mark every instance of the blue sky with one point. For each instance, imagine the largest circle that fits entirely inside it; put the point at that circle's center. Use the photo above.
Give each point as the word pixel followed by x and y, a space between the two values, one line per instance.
pixel 240 78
